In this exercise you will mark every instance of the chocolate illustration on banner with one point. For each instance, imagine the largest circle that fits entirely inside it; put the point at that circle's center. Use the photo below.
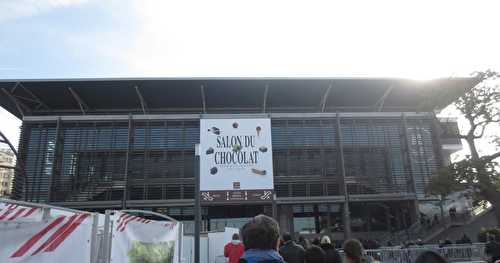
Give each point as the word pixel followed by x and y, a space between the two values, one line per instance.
pixel 263 149
pixel 213 170
pixel 215 130
pixel 210 150
pixel 259 172
pixel 258 129
pixel 235 125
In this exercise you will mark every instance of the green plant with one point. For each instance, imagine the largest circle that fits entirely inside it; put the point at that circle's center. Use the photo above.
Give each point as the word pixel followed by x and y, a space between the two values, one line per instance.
pixel 485 232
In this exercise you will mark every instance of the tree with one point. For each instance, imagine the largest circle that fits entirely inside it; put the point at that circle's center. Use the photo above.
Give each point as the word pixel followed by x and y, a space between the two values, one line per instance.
pixel 481 108
pixel 443 184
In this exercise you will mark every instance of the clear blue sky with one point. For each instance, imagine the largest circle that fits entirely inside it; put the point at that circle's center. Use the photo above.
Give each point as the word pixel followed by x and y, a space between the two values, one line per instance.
pixel 124 38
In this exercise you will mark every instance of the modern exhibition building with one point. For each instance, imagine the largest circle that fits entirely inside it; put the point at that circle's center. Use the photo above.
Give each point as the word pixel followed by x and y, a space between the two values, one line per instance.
pixel 346 151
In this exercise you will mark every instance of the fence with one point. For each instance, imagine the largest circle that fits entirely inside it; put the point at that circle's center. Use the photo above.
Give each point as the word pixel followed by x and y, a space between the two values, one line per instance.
pixel 101 235
pixel 455 253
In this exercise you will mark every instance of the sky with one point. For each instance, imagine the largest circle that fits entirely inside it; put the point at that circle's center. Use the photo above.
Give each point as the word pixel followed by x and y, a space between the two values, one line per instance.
pixel 231 38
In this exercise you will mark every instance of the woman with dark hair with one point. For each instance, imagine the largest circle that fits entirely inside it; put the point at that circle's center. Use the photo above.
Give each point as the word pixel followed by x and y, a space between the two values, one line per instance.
pixel 304 242
pixel 315 254
pixel 353 251
pixel 430 257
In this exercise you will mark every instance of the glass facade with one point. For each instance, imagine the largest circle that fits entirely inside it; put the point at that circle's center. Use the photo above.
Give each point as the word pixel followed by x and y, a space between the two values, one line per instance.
pixel 96 161
pixel 152 162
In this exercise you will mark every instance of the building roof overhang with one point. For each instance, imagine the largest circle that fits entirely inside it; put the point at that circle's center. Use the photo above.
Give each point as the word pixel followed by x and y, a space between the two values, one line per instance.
pixel 31 97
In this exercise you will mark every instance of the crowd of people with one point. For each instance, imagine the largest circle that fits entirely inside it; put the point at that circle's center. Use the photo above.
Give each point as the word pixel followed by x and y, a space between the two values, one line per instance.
pixel 261 243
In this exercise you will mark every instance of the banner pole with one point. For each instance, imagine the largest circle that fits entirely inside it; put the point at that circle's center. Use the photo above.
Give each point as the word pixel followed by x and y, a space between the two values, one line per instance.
pixel 197 208
pixel 181 235
pixel 107 237
pixel 93 239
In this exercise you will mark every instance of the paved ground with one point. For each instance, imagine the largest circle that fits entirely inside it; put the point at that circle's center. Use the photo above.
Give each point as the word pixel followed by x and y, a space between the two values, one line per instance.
pixel 453 233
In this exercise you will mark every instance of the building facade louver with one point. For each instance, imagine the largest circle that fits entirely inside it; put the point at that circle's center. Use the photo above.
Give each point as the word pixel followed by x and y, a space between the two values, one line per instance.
pixel 97 144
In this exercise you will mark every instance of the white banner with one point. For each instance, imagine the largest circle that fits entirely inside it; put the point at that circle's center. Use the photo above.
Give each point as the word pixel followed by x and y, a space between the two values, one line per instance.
pixel 136 240
pixel 60 239
pixel 235 154
pixel 17 213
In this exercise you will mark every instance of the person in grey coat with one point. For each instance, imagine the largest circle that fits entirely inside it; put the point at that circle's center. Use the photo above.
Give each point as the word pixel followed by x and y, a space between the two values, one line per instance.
pixel 290 251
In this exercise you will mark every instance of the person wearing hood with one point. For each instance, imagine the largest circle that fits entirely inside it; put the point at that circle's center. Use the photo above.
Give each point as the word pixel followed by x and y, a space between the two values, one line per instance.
pixel 290 251
pixel 260 237
pixel 234 249
pixel 332 256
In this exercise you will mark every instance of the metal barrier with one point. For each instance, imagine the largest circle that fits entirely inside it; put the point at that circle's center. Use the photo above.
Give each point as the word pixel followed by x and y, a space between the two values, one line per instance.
pixel 100 243
pixel 456 253
pixel 47 209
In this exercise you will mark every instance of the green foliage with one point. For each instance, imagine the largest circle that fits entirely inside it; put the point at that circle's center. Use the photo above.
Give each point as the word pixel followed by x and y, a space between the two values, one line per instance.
pixel 480 104
pixel 464 174
pixel 485 232
pixel 444 183
pixel 162 252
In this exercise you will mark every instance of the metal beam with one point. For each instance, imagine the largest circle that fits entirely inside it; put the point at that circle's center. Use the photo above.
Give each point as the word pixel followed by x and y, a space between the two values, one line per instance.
pixel 81 103
pixel 284 115
pixel 325 97
pixel 144 106
pixel 381 101
pixel 6 141
pixel 19 105
pixel 264 103
pixel 37 100
pixel 203 101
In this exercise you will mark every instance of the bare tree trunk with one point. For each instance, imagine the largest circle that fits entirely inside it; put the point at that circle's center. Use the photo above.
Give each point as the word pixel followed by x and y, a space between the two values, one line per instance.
pixel 473 150
pixel 491 194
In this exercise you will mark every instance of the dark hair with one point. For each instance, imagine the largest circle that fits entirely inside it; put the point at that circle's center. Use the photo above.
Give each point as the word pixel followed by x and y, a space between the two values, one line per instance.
pixel 315 254
pixel 430 257
pixel 262 232
pixel 304 242
pixel 236 236
pixel 353 249
pixel 286 237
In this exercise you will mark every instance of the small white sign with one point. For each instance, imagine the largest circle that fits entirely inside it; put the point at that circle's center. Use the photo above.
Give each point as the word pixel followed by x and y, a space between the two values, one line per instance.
pixel 235 154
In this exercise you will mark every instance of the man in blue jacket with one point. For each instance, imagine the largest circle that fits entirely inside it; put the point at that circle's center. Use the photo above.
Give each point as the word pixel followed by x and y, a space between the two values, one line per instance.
pixel 260 237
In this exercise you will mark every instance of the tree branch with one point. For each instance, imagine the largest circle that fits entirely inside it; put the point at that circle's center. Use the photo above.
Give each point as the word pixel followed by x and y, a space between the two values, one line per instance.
pixel 483 127
pixel 492 157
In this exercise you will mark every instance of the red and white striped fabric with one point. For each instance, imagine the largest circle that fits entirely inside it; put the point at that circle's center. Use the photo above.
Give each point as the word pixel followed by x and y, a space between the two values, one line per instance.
pixel 133 235
pixel 12 212
pixel 60 239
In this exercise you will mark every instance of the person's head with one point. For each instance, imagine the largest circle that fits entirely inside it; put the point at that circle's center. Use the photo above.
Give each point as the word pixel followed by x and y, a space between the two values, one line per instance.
pixel 286 237
pixel 316 241
pixel 353 250
pixel 325 240
pixel 430 257
pixel 236 236
pixel 262 232
pixel 315 254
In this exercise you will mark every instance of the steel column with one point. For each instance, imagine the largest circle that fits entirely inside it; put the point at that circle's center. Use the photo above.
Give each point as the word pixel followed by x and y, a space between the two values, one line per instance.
pixel 127 157
pixel 197 206
pixel 55 159
pixel 407 157
pixel 347 213
pixel 406 144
